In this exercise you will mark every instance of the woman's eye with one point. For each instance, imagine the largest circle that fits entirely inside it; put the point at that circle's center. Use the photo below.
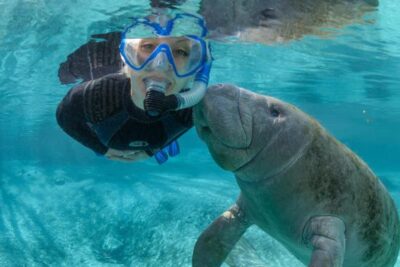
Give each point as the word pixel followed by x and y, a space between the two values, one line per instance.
pixel 275 112
pixel 147 47
pixel 181 52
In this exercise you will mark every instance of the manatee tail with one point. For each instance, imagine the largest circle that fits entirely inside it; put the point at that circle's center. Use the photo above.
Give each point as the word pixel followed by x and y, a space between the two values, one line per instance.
pixel 244 255
pixel 93 59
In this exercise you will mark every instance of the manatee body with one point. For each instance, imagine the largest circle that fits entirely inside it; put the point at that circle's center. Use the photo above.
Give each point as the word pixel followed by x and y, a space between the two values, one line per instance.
pixel 298 184
pixel 269 21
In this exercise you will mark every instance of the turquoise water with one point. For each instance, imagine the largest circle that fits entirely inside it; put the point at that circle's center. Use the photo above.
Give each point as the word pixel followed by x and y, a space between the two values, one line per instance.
pixel 61 205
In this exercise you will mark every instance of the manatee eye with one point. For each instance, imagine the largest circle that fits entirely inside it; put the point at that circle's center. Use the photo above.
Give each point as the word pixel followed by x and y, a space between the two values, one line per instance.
pixel 275 112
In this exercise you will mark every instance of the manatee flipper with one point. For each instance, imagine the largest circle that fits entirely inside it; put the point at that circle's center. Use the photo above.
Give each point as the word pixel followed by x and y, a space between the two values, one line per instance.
pixel 215 243
pixel 93 59
pixel 326 234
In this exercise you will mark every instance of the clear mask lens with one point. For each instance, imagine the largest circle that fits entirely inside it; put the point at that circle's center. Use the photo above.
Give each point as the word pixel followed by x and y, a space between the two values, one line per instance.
pixel 184 54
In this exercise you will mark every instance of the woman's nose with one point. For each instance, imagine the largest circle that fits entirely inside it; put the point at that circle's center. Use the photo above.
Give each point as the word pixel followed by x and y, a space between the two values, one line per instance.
pixel 160 62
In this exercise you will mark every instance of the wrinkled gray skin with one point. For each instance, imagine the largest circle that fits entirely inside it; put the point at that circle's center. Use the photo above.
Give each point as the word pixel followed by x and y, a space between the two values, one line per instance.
pixel 270 21
pixel 298 184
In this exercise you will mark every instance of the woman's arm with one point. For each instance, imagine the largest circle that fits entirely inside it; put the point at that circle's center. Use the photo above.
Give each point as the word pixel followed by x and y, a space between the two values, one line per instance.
pixel 126 155
pixel 71 118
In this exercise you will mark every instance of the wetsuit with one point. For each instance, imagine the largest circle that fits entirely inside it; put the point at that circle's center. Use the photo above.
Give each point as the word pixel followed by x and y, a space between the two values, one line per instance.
pixel 101 115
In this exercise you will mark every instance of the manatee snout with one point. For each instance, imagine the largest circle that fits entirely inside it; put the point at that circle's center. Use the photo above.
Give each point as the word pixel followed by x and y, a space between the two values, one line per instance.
pixel 222 115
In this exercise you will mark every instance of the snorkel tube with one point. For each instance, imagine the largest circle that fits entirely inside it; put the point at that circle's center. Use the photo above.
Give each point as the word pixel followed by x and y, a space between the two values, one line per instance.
pixel 155 95
pixel 197 92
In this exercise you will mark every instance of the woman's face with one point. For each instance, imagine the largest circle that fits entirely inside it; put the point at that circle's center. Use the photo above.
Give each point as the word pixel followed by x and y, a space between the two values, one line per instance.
pixel 160 69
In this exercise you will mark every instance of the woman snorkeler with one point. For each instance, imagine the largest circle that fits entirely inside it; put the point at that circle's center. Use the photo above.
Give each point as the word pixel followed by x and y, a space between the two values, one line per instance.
pixel 141 110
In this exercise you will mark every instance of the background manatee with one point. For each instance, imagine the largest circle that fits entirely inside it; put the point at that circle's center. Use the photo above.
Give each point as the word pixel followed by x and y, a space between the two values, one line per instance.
pixel 269 21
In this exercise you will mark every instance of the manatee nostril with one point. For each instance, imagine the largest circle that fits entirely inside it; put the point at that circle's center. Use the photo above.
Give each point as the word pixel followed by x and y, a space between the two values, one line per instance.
pixel 205 129
pixel 269 13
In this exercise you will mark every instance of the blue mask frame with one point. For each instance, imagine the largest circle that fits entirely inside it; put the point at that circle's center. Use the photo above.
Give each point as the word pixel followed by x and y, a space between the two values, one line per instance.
pixel 164 48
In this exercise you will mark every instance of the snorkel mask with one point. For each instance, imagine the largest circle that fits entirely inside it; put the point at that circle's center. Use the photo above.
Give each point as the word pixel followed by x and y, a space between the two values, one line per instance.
pixel 176 44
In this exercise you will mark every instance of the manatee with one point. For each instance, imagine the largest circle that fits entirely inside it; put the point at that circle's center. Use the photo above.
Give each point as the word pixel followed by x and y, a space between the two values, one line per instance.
pixel 298 184
pixel 271 21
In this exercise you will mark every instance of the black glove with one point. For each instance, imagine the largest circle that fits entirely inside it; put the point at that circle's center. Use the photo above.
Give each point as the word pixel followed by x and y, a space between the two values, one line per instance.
pixel 156 103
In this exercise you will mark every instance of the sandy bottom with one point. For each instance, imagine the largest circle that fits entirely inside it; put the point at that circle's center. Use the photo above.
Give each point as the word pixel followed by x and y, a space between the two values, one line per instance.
pixel 79 217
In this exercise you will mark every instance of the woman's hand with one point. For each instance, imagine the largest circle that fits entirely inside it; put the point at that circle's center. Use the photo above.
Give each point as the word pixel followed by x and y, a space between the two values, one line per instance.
pixel 126 155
